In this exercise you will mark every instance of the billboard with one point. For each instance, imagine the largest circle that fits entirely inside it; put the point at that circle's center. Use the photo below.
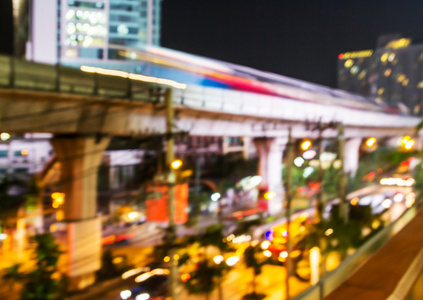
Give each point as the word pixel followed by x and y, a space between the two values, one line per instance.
pixel 156 204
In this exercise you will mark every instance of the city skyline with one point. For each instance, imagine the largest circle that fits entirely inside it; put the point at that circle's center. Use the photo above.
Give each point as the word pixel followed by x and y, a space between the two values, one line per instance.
pixel 291 38
pixel 300 41
pixel 279 180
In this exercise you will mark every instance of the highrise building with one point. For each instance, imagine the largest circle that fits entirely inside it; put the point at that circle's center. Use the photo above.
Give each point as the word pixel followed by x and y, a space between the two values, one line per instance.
pixel 392 74
pixel 73 32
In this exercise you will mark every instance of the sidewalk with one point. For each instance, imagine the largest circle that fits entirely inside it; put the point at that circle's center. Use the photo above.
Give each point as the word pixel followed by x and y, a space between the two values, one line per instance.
pixel 391 271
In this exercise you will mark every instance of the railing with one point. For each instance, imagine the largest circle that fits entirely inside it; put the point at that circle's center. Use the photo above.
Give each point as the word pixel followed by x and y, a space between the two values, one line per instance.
pixel 21 74
pixel 335 278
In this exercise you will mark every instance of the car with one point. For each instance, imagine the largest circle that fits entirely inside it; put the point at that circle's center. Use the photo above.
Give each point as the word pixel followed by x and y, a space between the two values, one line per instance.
pixel 150 286
pixel 155 286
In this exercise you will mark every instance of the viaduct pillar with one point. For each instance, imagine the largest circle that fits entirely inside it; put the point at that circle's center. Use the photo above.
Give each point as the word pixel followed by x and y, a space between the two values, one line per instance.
pixel 80 157
pixel 270 152
pixel 351 158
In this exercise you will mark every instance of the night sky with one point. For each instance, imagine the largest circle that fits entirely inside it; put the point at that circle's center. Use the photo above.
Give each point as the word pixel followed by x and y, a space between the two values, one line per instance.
pixel 6 27
pixel 296 38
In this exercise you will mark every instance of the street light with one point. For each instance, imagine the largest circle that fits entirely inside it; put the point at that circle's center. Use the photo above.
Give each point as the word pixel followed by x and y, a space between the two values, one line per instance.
pixel 370 142
pixel 215 197
pixel 176 164
pixel 405 139
pixel 269 195
pixel 409 145
pixel 58 199
pixel 305 145
pixel 4 136
pixel 407 142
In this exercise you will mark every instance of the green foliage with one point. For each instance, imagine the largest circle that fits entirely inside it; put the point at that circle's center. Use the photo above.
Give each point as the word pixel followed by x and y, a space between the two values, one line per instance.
pixel 245 226
pixel 205 278
pixel 389 158
pixel 33 188
pixel 32 193
pixel 230 170
pixel 9 204
pixel 184 258
pixel 207 274
pixel 331 182
pixel 252 261
pixel 108 268
pixel 157 255
pixel 253 296
pixel 298 180
pixel 342 236
pixel 12 275
pixel 40 283
pixel 195 202
pixel 330 179
pixel 212 237
pixel 383 158
pixel 418 177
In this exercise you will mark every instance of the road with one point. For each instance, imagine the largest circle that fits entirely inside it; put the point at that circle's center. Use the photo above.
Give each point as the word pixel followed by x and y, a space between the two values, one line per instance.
pixel 236 284
pixel 238 281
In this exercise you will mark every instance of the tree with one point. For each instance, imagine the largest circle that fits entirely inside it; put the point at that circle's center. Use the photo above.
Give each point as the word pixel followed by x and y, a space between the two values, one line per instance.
pixel 251 261
pixel 205 278
pixel 213 237
pixel 334 235
pixel 11 196
pixel 208 275
pixel 41 283
pixel 11 275
pixel 108 268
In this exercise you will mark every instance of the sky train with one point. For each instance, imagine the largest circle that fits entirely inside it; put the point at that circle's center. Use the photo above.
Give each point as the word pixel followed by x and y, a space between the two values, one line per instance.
pixel 196 70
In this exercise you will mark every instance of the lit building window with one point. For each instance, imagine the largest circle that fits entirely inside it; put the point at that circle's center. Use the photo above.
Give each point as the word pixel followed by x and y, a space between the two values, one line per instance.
pixel 122 29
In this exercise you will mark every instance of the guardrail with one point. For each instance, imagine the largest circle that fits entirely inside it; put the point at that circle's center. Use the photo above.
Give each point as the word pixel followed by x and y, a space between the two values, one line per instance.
pixel 93 81
pixel 22 74
pixel 336 277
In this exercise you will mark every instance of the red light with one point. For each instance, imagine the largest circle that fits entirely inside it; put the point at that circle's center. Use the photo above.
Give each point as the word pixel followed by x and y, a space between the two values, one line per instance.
pixel 108 240
pixel 185 277
pixel 120 237
pixel 250 212
pixel 340 56
pixel 405 164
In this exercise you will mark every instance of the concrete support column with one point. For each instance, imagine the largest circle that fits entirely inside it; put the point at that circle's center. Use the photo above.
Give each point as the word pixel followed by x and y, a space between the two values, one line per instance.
pixel 80 157
pixel 247 148
pixel 270 152
pixel 418 143
pixel 352 148
pixel 393 142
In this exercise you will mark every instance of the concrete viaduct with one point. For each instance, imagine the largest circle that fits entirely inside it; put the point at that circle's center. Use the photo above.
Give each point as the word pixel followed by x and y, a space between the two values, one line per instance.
pixel 83 108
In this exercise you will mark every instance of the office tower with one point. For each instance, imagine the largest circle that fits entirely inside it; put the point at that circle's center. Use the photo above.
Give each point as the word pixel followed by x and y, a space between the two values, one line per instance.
pixel 392 74
pixel 73 32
